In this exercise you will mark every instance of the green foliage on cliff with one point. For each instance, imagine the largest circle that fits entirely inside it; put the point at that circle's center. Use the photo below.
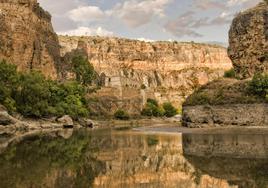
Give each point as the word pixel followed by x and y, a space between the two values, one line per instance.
pixel 31 94
pixel 170 110
pixel 121 114
pixel 230 73
pixel 153 109
pixel 259 85
pixel 8 84
pixel 83 70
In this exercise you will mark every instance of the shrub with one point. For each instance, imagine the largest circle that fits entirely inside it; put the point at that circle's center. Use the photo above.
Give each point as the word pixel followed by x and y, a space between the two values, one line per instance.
pixel 152 101
pixel 169 109
pixel 121 114
pixel 143 86
pixel 152 109
pixel 230 73
pixel 259 85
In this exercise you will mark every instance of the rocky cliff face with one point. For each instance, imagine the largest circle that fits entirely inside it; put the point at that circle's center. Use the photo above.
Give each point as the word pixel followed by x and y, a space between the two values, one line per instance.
pixel 248 38
pixel 227 101
pixel 167 71
pixel 27 38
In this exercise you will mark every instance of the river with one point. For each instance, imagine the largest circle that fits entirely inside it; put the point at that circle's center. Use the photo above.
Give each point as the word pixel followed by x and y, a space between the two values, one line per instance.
pixel 122 158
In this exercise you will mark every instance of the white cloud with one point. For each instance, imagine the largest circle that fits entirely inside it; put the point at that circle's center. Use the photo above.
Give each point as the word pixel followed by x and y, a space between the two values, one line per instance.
pixel 236 2
pixel 145 39
pixel 87 31
pixel 136 13
pixel 86 14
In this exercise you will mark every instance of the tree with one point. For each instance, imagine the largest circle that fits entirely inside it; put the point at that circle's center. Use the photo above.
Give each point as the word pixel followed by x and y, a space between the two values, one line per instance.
pixel 8 85
pixel 83 70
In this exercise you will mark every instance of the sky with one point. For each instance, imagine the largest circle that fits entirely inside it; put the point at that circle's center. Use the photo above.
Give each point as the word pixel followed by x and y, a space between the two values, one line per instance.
pixel 180 20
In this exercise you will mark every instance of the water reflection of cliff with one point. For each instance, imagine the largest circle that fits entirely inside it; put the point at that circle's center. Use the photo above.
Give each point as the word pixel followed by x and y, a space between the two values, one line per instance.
pixel 115 159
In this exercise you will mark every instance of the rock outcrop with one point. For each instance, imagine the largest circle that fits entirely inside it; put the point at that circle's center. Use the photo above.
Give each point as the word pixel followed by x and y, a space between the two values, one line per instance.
pixel 248 41
pixel 132 70
pixel 27 38
pixel 228 102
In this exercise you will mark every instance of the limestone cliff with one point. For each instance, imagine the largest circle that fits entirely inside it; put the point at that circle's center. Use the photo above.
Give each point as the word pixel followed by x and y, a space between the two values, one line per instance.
pixel 167 71
pixel 228 101
pixel 27 38
pixel 248 41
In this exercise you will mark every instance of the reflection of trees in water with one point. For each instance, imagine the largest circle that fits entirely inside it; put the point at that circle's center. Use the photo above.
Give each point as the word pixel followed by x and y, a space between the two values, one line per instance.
pixel 50 159
pixel 79 159
pixel 246 173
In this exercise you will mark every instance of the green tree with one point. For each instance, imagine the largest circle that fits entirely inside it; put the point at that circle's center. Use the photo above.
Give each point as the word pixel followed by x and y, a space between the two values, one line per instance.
pixel 8 85
pixel 83 70
pixel 33 95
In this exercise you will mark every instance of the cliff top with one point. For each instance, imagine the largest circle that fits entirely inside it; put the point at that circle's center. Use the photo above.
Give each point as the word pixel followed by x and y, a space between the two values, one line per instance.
pixel 33 4
pixel 107 39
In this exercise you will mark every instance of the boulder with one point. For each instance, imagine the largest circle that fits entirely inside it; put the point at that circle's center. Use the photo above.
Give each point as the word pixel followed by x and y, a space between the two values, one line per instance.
pixel 88 123
pixel 248 41
pixel 66 121
pixel 6 119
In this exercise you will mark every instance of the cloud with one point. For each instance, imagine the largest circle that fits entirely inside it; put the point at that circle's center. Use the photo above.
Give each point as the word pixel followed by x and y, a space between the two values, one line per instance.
pixel 136 13
pixel 187 23
pixel 87 31
pixel 86 14
pixel 209 4
pixel 183 25
pixel 145 39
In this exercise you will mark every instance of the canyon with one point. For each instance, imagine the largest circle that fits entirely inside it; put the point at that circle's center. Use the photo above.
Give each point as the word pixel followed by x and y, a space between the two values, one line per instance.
pixel 130 71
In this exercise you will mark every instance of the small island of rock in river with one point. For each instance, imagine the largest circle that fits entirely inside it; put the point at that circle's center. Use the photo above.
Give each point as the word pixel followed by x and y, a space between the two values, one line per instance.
pixel 105 94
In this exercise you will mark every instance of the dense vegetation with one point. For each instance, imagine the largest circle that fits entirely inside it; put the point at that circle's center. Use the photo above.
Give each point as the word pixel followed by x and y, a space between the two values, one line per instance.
pixel 152 108
pixel 32 95
pixel 121 114
pixel 259 85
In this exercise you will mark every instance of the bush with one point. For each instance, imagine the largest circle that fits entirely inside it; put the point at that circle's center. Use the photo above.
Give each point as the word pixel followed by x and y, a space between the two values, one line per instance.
pixel 121 114
pixel 259 85
pixel 152 101
pixel 143 87
pixel 153 109
pixel 230 73
pixel 169 109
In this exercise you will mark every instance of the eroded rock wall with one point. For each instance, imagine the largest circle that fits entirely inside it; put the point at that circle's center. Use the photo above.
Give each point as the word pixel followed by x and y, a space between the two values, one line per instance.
pixel 27 38
pixel 248 41
pixel 167 71
pixel 200 116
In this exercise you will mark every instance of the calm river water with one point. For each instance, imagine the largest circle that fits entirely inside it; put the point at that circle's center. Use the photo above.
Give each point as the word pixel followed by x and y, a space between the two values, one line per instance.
pixel 119 159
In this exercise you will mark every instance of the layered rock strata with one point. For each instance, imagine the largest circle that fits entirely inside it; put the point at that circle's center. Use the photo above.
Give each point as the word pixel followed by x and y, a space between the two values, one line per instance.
pixel 27 38
pixel 166 71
